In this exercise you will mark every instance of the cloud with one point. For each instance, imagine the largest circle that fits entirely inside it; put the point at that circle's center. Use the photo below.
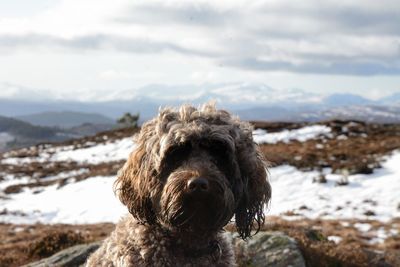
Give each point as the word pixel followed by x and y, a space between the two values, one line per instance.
pixel 359 38
pixel 93 42
pixel 204 15
pixel 341 68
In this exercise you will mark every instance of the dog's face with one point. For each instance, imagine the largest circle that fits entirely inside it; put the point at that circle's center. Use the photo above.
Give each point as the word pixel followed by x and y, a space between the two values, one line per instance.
pixel 199 179
pixel 193 170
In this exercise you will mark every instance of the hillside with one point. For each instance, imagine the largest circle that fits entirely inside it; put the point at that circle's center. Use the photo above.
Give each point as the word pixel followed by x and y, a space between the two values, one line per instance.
pixel 24 129
pixel 340 178
pixel 15 133
pixel 65 119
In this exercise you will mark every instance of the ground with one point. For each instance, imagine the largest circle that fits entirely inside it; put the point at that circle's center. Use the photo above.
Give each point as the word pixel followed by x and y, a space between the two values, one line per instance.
pixel 335 190
pixel 318 241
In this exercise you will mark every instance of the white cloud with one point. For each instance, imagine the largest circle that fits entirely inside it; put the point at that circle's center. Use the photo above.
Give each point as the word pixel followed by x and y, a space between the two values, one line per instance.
pixel 114 74
pixel 199 42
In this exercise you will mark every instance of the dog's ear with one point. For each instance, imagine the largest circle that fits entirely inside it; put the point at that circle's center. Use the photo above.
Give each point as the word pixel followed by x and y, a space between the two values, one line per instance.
pixel 136 183
pixel 249 214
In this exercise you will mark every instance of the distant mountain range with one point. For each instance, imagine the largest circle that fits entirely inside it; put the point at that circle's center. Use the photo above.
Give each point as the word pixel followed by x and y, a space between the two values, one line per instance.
pixel 249 100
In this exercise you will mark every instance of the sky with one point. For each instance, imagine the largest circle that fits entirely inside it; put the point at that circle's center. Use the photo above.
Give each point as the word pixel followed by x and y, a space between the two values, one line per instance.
pixel 89 49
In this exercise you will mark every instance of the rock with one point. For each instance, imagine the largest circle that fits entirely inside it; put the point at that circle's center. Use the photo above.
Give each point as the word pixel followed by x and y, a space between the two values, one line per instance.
pixel 268 249
pixel 70 257
pixel 264 249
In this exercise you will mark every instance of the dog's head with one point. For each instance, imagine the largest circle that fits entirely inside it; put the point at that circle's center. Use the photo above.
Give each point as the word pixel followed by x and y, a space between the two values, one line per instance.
pixel 193 170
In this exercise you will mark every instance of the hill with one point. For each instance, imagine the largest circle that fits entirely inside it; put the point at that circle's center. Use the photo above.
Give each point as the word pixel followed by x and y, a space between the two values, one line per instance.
pixel 65 119
pixel 16 133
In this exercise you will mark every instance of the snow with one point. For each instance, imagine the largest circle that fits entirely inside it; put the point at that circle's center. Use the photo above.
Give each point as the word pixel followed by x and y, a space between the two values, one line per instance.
pixel 334 238
pixel 363 227
pixel 380 236
pixel 377 192
pixel 93 200
pixel 62 175
pixel 97 154
pixel 88 201
pixel 94 154
pixel 303 134
pixel 119 149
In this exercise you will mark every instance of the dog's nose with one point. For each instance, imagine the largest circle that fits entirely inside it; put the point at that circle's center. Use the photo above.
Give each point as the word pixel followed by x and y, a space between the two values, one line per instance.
pixel 198 184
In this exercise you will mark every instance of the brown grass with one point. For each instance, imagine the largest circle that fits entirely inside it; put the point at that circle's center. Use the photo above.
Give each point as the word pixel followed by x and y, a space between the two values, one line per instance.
pixel 21 244
pixel 360 152
pixel 353 250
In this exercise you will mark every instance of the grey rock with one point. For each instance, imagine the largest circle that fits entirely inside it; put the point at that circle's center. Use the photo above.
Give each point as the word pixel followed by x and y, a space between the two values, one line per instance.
pixel 70 257
pixel 268 249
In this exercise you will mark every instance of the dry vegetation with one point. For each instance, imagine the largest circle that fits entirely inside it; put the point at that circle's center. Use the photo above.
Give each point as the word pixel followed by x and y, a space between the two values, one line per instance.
pixel 356 248
pixel 21 244
pixel 355 146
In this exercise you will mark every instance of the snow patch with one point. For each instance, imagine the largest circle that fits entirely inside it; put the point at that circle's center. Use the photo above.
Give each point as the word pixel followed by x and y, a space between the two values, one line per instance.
pixel 94 154
pixel 303 134
pixel 334 238
pixel 88 201
pixel 118 150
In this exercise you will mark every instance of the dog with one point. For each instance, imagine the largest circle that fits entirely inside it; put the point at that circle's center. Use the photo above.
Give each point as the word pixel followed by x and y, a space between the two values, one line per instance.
pixel 192 171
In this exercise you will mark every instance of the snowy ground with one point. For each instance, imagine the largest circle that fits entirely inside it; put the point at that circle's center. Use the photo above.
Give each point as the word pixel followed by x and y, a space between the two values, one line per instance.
pixel 88 201
pixel 294 190
pixel 373 196
pixel 92 200
pixel 119 149
pixel 92 153
pixel 301 135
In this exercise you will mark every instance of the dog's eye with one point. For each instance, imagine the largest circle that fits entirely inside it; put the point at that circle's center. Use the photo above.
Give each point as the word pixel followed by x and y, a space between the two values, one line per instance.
pixel 174 157
pixel 224 157
pixel 220 153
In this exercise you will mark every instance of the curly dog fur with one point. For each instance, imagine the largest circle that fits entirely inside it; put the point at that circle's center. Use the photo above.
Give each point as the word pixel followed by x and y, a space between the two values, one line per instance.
pixel 192 171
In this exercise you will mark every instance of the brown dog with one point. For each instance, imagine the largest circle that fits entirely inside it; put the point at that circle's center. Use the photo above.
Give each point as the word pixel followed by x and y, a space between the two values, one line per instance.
pixel 192 171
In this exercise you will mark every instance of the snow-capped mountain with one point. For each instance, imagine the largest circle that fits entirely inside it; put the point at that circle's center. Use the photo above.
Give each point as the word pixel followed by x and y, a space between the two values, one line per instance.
pixel 392 99
pixel 346 100
pixel 252 101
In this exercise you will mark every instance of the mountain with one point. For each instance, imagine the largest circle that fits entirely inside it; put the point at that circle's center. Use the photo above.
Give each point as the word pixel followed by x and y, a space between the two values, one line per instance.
pixel 15 133
pixel 366 113
pixel 273 113
pixel 393 99
pixel 229 95
pixel 249 100
pixel 23 129
pixel 346 99
pixel 65 119
pixel 88 129
pixel 111 109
